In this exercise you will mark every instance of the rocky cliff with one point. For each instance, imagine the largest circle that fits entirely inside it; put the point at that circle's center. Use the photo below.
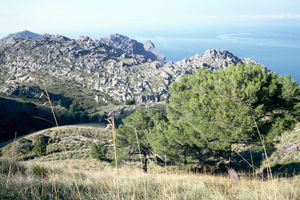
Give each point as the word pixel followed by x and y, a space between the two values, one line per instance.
pixel 96 72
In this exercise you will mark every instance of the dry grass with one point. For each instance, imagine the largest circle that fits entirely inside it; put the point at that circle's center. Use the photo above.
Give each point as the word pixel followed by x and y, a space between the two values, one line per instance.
pixel 77 139
pixel 96 180
pixel 287 149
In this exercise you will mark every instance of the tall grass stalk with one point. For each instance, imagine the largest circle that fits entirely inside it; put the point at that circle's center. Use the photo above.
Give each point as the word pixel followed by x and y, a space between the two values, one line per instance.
pixel 267 159
pixel 12 154
pixel 253 173
pixel 111 121
pixel 139 149
pixel 63 144
pixel 265 151
pixel 98 184
pixel 140 154
pixel 251 165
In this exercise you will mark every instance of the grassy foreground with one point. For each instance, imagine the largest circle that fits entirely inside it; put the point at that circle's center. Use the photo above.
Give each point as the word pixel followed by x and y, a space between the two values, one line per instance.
pixel 51 176
pixel 98 180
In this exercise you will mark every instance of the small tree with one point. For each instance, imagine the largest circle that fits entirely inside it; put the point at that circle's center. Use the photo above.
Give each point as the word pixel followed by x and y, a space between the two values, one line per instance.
pixel 40 147
pixel 84 117
pixel 98 151
pixel 130 102
pixel 136 130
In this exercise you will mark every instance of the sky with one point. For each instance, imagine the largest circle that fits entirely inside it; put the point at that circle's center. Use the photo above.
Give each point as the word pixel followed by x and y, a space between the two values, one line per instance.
pixel 97 17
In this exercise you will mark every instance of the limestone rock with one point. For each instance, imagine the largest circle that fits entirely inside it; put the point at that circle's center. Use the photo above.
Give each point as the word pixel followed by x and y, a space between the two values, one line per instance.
pixel 109 70
pixel 150 47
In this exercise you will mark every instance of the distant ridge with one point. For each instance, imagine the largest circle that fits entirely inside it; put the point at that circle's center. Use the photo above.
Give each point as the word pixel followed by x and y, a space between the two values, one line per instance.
pixel 109 70
pixel 23 34
pixel 131 46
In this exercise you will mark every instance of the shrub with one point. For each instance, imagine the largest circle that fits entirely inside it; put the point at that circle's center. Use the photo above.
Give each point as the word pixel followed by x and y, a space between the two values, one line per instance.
pixel 8 167
pixel 39 171
pixel 40 147
pixel 94 118
pixel 45 139
pixel 121 157
pixel 98 151
pixel 130 102
pixel 84 117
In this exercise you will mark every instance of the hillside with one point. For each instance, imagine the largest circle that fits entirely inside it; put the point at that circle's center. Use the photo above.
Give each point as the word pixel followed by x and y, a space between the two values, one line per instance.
pixel 286 158
pixel 21 117
pixel 95 72
pixel 53 175
pixel 76 139
pixel 101 77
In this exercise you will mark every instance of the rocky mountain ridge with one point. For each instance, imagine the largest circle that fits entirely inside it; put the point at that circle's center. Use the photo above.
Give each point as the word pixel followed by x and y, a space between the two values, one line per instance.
pixel 96 72
pixel 131 47
pixel 24 34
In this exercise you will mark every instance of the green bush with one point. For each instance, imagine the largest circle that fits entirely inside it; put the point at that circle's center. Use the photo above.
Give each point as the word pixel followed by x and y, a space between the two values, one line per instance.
pixel 121 157
pixel 130 102
pixel 98 151
pixel 39 171
pixel 40 147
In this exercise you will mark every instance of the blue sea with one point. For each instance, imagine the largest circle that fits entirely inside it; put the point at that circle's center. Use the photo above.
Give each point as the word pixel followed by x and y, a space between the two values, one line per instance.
pixel 275 46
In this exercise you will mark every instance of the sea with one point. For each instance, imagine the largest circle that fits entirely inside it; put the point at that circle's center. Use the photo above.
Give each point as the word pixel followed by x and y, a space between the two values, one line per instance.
pixel 277 47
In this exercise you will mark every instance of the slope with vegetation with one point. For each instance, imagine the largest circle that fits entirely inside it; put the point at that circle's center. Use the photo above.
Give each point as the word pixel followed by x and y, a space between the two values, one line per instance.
pixel 22 116
pixel 241 119
pixel 286 158
pixel 211 113
pixel 54 180
pixel 97 76
pixel 74 139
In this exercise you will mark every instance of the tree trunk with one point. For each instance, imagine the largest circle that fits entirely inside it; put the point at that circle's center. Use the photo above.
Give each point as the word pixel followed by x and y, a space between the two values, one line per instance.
pixel 184 157
pixel 144 162
pixel 231 172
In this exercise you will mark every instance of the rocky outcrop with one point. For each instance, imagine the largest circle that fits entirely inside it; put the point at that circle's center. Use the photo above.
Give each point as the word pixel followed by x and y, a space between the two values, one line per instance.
pixel 109 70
pixel 130 46
pixel 219 58
pixel 150 47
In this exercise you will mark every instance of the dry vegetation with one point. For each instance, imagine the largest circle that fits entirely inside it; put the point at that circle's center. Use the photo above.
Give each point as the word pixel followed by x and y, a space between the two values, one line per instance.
pixel 53 176
pixel 97 180
pixel 288 149
pixel 76 139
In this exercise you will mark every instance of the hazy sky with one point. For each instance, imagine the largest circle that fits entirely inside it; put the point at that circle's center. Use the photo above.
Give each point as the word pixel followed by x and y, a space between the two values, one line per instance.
pixel 108 16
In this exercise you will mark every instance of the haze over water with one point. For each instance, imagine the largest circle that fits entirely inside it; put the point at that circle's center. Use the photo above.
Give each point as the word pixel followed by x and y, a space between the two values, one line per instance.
pixel 276 47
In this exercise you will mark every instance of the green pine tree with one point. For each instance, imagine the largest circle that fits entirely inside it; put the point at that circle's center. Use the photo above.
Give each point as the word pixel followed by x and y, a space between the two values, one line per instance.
pixel 136 130
pixel 40 147
pixel 219 108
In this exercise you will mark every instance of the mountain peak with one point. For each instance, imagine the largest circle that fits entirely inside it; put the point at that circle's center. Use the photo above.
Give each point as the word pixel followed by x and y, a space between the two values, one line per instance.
pixel 148 45
pixel 131 46
pixel 220 58
pixel 24 34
